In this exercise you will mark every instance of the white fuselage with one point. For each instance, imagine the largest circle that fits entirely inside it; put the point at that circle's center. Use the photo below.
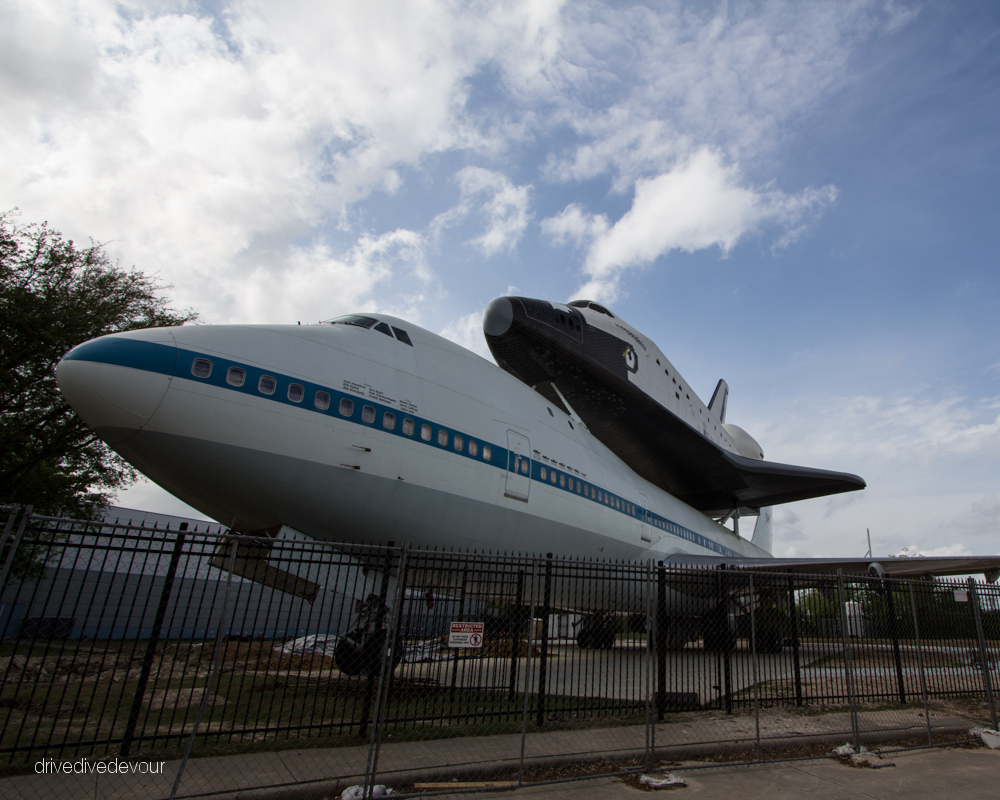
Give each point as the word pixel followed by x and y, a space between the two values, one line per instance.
pixel 486 462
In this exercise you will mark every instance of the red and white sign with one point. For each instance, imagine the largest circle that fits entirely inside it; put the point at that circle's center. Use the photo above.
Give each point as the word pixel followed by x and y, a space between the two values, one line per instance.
pixel 466 634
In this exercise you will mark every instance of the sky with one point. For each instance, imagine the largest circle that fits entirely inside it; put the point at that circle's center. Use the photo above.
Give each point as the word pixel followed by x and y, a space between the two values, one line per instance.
pixel 801 198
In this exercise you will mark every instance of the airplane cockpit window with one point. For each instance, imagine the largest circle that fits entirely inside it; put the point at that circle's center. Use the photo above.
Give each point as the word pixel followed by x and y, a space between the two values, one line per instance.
pixel 353 319
pixel 201 368
pixel 402 335
pixel 383 328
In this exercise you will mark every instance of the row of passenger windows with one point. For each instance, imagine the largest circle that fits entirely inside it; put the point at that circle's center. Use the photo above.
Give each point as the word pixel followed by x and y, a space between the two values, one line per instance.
pixel 568 482
pixel 202 368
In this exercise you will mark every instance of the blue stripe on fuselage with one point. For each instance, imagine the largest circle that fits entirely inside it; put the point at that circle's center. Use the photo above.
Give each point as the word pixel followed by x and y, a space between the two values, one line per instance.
pixel 178 362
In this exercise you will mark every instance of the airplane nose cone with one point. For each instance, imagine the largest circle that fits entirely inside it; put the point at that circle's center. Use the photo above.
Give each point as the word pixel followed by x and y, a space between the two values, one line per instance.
pixel 116 382
pixel 498 317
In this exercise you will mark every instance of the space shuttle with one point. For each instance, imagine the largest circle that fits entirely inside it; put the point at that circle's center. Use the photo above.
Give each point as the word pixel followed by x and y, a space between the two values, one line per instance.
pixel 615 380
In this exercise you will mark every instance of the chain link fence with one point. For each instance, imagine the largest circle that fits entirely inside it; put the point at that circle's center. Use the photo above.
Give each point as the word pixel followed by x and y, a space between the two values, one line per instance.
pixel 152 663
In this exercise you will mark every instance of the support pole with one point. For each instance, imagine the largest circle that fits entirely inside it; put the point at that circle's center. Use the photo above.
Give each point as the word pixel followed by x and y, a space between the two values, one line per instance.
pixel 527 675
pixel 662 623
pixel 753 651
pixel 154 639
pixel 385 677
pixel 796 661
pixel 848 671
pixel 546 603
pixel 894 632
pixel 984 654
pixel 219 639
pixel 517 624
pixel 920 662
pixel 372 664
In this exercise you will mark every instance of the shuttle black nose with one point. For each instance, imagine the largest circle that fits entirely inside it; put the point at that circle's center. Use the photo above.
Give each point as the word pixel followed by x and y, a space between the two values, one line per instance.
pixel 498 317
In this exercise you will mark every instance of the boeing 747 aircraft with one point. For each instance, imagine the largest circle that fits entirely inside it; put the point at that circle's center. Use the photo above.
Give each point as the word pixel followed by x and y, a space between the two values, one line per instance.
pixel 367 428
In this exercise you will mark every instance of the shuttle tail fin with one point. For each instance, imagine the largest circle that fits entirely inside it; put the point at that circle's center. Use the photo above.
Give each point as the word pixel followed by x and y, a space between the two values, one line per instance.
pixel 762 530
pixel 717 405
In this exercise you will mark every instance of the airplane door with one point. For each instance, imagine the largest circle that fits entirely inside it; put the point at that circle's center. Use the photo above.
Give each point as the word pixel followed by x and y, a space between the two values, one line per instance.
pixel 646 526
pixel 518 466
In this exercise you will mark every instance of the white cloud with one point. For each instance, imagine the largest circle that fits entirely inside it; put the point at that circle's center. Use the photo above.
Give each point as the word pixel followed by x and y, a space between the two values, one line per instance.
pixel 503 205
pixel 467 331
pixel 313 283
pixel 697 204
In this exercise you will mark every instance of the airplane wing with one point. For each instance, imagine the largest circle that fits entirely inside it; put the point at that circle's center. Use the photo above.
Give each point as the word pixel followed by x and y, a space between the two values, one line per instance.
pixel 893 567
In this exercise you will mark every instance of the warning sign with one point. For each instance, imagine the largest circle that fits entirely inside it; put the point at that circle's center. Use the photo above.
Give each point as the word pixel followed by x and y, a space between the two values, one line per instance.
pixel 466 634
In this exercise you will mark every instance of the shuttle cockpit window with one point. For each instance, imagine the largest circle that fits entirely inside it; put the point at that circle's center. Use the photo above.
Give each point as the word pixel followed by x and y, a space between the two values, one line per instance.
pixel 322 401
pixel 266 384
pixel 296 393
pixel 353 319
pixel 235 376
pixel 201 368
pixel 590 304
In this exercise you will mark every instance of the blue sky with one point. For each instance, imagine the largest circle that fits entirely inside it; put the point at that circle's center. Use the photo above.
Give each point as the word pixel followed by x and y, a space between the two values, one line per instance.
pixel 800 198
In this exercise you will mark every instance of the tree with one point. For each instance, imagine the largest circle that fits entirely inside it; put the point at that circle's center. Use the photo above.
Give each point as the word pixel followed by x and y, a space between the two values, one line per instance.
pixel 53 296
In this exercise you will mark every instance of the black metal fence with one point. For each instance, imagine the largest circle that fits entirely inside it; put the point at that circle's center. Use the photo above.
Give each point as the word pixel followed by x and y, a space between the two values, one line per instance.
pixel 395 664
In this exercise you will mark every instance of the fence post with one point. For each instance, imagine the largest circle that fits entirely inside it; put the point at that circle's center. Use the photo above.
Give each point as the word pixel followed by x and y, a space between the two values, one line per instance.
pixel 796 662
pixel 5 570
pixel 984 654
pixel 515 635
pixel 385 678
pixel 527 674
pixel 154 640
pixel 847 660
pixel 546 602
pixel 216 656
pixel 11 516
pixel 458 651
pixel 894 632
pixel 661 641
pixel 377 631
pixel 753 650
pixel 650 661
pixel 920 662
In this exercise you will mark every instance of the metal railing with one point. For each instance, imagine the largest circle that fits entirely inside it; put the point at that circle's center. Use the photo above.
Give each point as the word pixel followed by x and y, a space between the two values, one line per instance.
pixel 190 647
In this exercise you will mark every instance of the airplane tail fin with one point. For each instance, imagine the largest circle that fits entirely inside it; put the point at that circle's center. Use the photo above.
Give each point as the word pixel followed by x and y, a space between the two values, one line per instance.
pixel 720 397
pixel 762 530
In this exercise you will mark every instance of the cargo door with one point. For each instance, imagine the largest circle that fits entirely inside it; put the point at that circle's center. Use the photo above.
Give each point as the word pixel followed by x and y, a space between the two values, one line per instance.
pixel 518 466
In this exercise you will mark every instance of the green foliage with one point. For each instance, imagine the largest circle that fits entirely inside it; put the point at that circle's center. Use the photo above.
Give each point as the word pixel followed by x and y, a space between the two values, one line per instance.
pixel 53 296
